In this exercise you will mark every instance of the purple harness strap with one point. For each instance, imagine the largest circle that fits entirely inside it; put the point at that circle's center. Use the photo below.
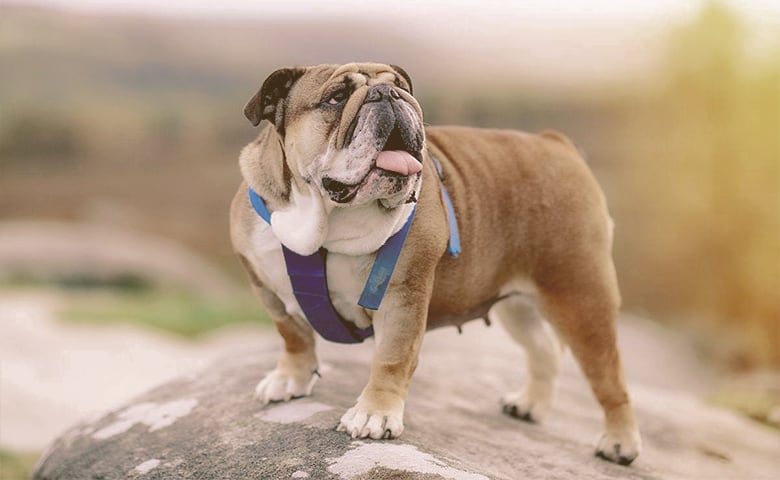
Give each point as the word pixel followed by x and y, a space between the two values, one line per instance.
pixel 310 285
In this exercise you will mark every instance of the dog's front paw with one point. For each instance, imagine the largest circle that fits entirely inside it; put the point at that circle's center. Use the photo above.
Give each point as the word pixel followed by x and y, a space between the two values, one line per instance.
pixel 620 447
pixel 367 420
pixel 283 384
pixel 531 404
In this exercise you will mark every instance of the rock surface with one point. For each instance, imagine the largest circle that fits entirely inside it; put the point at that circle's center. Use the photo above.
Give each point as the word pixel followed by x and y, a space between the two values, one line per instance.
pixel 54 373
pixel 209 425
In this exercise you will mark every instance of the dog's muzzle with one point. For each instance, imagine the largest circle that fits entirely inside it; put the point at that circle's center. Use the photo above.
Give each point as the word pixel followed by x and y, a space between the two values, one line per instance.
pixel 396 134
pixel 339 192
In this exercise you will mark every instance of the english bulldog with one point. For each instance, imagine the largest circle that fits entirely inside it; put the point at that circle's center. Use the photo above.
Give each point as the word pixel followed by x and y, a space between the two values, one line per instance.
pixel 344 161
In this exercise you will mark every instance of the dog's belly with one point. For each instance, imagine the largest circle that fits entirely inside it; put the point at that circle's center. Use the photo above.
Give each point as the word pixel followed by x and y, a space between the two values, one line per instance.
pixel 446 316
pixel 345 275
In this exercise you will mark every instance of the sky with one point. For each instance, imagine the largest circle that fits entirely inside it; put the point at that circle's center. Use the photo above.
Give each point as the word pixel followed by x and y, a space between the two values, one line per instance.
pixel 547 36
pixel 476 9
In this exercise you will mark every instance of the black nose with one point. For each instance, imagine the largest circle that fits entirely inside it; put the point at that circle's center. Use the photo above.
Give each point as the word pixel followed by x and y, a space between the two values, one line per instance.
pixel 334 186
pixel 380 92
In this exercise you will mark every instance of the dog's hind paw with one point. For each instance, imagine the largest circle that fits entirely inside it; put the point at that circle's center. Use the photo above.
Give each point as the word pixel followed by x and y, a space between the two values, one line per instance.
pixel 621 448
pixel 282 385
pixel 521 405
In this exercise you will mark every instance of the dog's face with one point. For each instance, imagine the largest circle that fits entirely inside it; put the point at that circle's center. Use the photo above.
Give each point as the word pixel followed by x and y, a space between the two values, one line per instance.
pixel 354 132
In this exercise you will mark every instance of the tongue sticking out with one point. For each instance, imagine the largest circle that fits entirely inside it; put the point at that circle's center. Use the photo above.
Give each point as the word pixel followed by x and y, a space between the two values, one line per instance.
pixel 398 161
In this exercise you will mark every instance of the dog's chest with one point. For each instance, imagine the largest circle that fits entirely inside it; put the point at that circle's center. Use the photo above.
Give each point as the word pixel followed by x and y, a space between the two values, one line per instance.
pixel 346 276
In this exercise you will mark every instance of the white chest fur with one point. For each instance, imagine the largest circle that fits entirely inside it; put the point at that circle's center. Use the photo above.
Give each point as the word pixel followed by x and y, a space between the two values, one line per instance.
pixel 346 275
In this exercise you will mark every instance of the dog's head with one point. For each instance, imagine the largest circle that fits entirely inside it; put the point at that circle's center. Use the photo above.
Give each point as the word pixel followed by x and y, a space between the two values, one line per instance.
pixel 353 132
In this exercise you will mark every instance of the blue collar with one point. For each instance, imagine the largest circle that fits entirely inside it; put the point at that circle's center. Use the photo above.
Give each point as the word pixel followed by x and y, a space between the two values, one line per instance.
pixel 309 281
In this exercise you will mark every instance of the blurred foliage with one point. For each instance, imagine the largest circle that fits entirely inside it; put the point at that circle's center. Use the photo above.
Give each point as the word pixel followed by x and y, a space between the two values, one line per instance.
pixel 706 162
pixel 78 281
pixel 755 394
pixel 756 405
pixel 38 137
pixel 15 465
pixel 146 116
pixel 173 312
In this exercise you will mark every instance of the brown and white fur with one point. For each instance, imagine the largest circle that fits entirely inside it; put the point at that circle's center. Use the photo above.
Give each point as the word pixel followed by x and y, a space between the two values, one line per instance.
pixel 532 221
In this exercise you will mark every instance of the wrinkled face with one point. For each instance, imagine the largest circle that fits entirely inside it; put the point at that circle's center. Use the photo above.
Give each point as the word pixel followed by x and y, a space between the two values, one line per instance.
pixel 355 132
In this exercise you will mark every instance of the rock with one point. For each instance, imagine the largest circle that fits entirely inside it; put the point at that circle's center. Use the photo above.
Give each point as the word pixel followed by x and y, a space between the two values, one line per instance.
pixel 54 373
pixel 209 425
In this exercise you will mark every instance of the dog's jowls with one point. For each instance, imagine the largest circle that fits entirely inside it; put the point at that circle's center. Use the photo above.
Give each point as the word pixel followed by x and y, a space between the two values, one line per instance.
pixel 342 162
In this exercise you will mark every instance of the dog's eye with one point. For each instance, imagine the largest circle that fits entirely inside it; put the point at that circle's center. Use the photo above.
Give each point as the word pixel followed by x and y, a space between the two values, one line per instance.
pixel 401 86
pixel 336 97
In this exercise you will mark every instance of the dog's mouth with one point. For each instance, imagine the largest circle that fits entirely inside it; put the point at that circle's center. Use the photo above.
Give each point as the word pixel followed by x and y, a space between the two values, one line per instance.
pixel 396 162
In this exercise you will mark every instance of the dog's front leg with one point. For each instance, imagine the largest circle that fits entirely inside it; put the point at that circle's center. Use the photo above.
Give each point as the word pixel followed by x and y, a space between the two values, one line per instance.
pixel 399 326
pixel 296 369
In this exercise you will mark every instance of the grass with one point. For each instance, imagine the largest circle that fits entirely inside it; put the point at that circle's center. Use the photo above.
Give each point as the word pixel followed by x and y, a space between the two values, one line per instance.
pixel 17 465
pixel 753 403
pixel 180 313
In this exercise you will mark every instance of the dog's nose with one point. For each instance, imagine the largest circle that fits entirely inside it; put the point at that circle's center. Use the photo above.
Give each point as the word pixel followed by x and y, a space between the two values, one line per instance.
pixel 380 92
pixel 334 186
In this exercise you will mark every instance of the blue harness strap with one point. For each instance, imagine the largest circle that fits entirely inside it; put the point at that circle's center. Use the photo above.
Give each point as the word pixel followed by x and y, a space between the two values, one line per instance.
pixel 454 244
pixel 384 264
pixel 259 205
pixel 310 285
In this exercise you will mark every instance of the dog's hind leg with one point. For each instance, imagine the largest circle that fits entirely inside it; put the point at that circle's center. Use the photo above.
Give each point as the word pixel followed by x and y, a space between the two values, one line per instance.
pixel 583 311
pixel 526 326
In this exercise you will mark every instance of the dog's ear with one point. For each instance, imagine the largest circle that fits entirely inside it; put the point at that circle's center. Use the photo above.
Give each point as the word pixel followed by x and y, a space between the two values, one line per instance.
pixel 264 166
pixel 268 102
pixel 400 71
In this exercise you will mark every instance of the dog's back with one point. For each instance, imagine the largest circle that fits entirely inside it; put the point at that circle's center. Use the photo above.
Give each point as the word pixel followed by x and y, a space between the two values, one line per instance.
pixel 525 204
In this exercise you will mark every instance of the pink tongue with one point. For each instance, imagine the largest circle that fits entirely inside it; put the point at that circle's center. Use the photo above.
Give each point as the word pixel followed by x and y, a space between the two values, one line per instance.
pixel 398 161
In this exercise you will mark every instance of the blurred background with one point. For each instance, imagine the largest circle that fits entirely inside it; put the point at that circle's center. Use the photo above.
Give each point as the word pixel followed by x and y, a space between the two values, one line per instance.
pixel 121 121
